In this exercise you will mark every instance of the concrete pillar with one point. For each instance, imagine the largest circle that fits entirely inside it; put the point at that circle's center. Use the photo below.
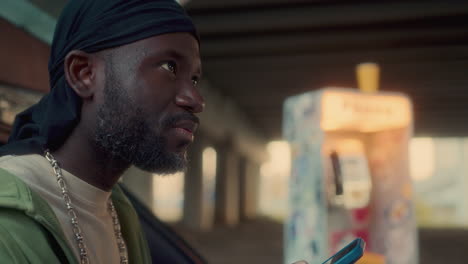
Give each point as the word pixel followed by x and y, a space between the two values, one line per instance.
pixel 193 192
pixel 140 183
pixel 227 185
pixel 249 189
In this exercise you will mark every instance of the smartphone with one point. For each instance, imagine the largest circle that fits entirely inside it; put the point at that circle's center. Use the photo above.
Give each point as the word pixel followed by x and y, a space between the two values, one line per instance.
pixel 349 254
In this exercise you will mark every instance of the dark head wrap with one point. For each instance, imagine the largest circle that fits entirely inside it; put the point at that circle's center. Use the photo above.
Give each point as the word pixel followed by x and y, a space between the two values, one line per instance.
pixel 90 26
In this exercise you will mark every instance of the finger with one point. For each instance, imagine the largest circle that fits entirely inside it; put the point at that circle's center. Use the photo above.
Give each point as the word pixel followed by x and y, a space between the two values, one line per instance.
pixel 300 262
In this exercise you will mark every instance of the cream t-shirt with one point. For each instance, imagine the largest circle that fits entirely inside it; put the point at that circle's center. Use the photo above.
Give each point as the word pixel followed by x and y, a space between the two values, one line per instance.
pixel 90 204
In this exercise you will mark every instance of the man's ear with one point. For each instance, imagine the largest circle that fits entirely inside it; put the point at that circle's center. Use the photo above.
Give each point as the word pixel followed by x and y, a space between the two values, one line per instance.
pixel 80 72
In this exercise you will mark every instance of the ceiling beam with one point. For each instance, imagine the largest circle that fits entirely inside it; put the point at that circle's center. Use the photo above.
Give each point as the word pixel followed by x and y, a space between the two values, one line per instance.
pixel 332 41
pixel 25 15
pixel 287 18
pixel 51 7
pixel 409 54
pixel 205 6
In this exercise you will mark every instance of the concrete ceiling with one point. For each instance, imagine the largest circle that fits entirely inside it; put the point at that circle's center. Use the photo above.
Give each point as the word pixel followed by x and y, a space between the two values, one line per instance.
pixel 258 52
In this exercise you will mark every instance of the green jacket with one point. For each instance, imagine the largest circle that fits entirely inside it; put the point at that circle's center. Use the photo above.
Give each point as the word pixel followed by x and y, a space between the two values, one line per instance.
pixel 30 232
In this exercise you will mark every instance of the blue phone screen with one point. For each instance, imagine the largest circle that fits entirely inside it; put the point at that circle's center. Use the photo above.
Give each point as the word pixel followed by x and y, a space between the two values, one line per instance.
pixel 345 253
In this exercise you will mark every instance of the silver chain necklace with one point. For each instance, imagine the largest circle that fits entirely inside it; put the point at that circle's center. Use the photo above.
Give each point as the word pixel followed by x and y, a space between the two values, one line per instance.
pixel 84 258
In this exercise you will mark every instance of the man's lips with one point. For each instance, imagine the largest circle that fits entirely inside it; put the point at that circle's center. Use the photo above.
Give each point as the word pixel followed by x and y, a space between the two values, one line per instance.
pixel 186 125
pixel 182 127
pixel 184 130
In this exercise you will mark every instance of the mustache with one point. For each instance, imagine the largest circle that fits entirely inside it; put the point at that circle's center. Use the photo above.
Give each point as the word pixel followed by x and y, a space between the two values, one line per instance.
pixel 172 120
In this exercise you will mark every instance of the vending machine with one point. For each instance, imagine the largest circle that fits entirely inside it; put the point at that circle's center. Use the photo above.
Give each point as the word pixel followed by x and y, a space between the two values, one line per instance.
pixel 349 175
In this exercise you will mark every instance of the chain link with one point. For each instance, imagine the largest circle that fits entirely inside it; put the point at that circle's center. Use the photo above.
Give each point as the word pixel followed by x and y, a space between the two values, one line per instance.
pixel 118 234
pixel 80 241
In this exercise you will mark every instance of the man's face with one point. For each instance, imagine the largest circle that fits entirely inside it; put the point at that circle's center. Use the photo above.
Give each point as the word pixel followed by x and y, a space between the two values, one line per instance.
pixel 147 116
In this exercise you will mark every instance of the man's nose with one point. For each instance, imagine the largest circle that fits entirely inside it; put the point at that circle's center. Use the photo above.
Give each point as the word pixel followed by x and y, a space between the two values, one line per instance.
pixel 189 98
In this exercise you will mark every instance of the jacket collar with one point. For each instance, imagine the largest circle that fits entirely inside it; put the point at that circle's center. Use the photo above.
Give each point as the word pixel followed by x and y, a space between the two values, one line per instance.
pixel 15 194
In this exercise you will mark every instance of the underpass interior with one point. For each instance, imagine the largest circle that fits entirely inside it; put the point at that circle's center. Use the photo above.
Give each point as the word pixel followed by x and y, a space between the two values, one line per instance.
pixel 256 54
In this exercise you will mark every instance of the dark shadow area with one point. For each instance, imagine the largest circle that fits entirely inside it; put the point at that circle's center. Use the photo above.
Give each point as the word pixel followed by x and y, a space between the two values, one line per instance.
pixel 165 245
pixel 261 241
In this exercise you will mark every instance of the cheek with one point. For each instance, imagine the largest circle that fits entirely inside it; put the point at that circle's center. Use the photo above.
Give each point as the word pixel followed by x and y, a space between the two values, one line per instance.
pixel 156 94
pixel 153 111
pixel 153 107
pixel 100 86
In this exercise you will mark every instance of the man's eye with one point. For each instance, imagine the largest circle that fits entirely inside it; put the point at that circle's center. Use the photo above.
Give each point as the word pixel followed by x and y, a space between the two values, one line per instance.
pixel 195 81
pixel 169 66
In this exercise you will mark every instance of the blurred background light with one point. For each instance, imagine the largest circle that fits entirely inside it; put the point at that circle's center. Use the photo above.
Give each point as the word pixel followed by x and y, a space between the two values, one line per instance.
pixel 208 188
pixel 439 168
pixel 209 163
pixel 168 196
pixel 421 158
pixel 274 180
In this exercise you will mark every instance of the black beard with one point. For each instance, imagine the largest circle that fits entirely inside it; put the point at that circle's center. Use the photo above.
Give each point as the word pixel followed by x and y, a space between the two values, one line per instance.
pixel 123 134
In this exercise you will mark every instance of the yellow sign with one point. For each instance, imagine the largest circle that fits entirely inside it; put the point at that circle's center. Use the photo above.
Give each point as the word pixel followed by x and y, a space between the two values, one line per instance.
pixel 371 258
pixel 368 76
pixel 363 112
